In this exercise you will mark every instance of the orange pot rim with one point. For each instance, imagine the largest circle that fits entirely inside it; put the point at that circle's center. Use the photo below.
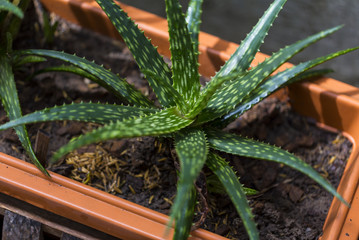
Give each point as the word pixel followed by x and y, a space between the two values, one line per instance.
pixel 127 220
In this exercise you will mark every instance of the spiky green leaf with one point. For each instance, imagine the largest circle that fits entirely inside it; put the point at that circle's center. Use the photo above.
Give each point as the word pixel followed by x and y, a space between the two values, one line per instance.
pixel 235 191
pixel 12 24
pixel 232 93
pixel 102 76
pixel 244 55
pixel 193 19
pixel 242 146
pixel 143 51
pixel 67 68
pixel 88 112
pixel 10 102
pixel 176 97
pixel 184 220
pixel 19 61
pixel 215 186
pixel 191 147
pixel 163 122
pixel 184 59
pixel 207 93
pixel 308 75
pixel 250 100
pixel 281 79
pixel 7 6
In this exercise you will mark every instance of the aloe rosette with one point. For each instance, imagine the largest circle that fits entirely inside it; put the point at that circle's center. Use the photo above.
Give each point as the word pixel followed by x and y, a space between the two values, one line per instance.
pixel 189 112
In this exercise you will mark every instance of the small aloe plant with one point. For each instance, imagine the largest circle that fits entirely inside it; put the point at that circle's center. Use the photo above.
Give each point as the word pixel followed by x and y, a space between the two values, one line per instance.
pixel 11 14
pixel 189 114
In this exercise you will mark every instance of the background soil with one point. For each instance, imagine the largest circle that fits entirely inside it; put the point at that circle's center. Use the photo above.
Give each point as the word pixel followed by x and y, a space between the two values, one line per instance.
pixel 288 206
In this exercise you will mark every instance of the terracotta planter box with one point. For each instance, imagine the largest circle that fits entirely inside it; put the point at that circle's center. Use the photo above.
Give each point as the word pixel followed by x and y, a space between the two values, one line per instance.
pixel 333 104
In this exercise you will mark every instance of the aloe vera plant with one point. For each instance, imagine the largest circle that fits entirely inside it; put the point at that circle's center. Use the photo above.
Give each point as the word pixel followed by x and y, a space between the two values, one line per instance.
pixel 189 114
pixel 9 24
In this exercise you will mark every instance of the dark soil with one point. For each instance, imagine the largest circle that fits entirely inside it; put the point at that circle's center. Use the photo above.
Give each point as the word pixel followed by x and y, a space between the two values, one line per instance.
pixel 289 205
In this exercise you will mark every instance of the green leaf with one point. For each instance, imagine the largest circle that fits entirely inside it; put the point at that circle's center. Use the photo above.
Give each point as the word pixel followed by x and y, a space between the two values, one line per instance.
pixel 88 112
pixel 184 220
pixel 163 122
pixel 9 42
pixel 281 79
pixel 13 22
pixel 7 6
pixel 191 147
pixel 176 97
pixel 235 191
pixel 69 69
pixel 260 93
pixel 144 53
pixel 242 146
pixel 308 75
pixel 102 76
pixel 240 61
pixel 215 186
pixel 49 28
pixel 193 19
pixel 184 59
pixel 207 93
pixel 19 61
pixel 232 93
pixel 10 101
